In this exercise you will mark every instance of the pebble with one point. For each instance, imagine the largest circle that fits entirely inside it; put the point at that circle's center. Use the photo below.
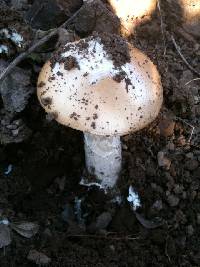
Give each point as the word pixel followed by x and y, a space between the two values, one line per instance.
pixel 158 205
pixel 166 127
pixel 173 200
pixel 163 161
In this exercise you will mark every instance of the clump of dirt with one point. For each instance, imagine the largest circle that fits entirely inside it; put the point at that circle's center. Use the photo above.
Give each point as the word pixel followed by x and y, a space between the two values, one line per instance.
pixel 116 47
pixel 70 63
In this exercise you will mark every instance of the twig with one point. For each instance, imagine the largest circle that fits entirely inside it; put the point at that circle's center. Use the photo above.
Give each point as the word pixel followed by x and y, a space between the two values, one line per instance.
pixel 166 250
pixel 190 125
pixel 43 40
pixel 105 237
pixel 192 81
pixel 162 26
pixel 182 57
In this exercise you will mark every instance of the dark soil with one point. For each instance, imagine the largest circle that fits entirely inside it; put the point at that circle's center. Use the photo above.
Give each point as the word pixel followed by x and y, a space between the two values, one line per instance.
pixel 161 162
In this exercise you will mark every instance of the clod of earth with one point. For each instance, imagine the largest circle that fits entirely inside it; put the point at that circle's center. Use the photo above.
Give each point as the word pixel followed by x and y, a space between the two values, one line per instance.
pixel 95 16
pixel 97 104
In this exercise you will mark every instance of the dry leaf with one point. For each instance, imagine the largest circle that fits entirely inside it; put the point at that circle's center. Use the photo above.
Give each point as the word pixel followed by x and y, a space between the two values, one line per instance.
pixel 5 237
pixel 149 224
pixel 25 229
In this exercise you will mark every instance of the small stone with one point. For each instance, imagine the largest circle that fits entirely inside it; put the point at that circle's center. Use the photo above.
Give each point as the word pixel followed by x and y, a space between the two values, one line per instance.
pixel 103 220
pixel 166 127
pixel 172 200
pixel 191 165
pixel 38 258
pixel 190 230
pixel 163 161
pixel 158 205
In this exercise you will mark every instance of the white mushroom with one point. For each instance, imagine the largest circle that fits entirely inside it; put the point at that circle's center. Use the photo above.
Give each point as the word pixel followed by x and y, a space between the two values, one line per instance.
pixel 132 12
pixel 92 87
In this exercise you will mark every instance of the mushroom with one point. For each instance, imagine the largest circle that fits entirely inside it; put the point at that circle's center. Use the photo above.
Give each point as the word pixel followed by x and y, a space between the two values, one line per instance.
pixel 105 88
pixel 132 13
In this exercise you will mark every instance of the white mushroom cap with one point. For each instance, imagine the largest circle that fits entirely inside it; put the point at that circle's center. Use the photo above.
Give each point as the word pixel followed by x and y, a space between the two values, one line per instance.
pixel 89 93
pixel 132 12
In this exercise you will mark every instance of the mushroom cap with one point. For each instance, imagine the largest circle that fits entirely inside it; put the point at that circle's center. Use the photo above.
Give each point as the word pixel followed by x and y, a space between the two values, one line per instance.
pixel 85 90
pixel 131 12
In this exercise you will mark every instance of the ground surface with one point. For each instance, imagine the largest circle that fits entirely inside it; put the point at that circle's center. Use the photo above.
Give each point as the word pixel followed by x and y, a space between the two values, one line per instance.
pixel 162 163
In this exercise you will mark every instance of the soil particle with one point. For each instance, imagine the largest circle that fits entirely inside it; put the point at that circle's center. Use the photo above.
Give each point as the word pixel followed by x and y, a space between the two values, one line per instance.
pixel 166 127
pixel 41 84
pixel 119 76
pixel 46 101
pixel 70 63
pixel 74 116
pixel 116 47
pixel 173 200
pixel 93 125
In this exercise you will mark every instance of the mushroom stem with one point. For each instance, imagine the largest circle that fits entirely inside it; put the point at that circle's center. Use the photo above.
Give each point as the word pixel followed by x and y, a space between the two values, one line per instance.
pixel 103 158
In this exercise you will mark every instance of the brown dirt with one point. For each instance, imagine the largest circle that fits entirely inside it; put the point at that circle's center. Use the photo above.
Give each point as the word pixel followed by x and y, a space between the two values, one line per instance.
pixel 33 190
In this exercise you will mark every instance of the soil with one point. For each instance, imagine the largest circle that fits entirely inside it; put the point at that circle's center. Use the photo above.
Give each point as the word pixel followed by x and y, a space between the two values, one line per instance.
pixel 40 176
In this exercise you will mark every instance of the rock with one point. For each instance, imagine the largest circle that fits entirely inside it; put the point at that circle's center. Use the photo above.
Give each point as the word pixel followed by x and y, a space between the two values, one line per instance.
pixel 94 16
pixel 15 89
pixel 49 14
pixel 172 200
pixel 166 127
pixel 38 258
pixel 163 161
pixel 103 220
